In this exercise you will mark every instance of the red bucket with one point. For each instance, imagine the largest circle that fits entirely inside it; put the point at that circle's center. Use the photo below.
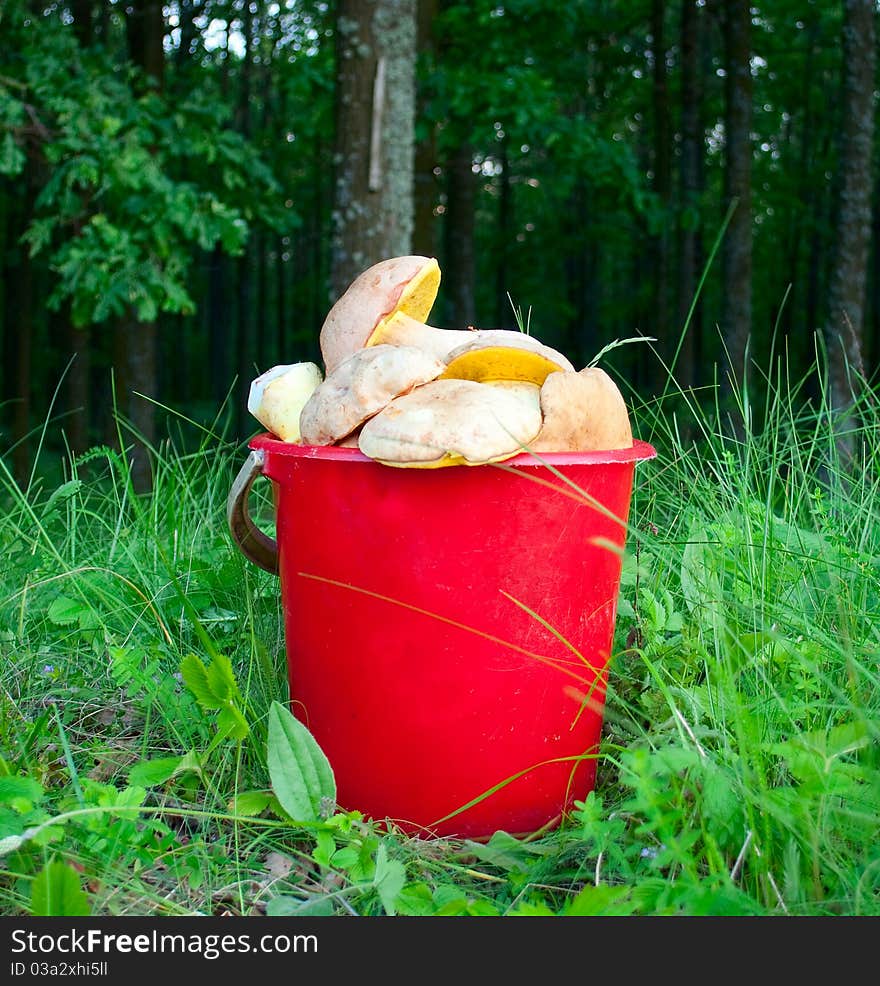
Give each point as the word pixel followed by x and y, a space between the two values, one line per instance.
pixel 448 630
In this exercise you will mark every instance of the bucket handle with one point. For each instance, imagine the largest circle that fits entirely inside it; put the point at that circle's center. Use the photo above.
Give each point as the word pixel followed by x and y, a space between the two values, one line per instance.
pixel 252 542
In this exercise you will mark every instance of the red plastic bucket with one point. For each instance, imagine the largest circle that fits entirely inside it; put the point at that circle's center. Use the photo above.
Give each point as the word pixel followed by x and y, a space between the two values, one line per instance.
pixel 447 631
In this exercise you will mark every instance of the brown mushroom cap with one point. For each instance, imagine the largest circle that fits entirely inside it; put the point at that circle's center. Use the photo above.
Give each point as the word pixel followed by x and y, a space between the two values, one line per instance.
pixel 407 284
pixel 453 422
pixel 360 386
pixel 583 412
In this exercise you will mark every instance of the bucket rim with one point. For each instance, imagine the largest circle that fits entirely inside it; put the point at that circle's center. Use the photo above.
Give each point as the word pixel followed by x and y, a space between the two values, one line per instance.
pixel 639 452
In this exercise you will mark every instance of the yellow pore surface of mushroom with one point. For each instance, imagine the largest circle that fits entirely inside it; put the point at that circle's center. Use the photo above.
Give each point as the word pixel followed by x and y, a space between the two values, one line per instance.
pixel 453 422
pixel 360 386
pixel 582 412
pixel 499 354
pixel 407 284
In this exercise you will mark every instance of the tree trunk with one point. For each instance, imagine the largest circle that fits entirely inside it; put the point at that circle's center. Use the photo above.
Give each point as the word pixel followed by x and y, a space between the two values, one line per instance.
pixel 662 176
pixel 425 187
pixel 79 384
pixel 82 22
pixel 135 343
pixel 736 312
pixel 244 349
pixel 503 310
pixel 846 290
pixel 135 364
pixel 374 143
pixel 459 261
pixel 690 188
pixel 219 366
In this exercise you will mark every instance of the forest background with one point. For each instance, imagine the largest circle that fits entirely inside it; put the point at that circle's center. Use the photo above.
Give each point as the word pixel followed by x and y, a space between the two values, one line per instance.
pixel 186 188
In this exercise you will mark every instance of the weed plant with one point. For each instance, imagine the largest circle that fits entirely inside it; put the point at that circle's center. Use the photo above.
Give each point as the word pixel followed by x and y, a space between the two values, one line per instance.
pixel 143 671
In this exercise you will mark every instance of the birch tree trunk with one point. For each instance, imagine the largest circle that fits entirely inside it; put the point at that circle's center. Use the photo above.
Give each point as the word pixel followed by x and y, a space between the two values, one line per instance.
pixel 374 143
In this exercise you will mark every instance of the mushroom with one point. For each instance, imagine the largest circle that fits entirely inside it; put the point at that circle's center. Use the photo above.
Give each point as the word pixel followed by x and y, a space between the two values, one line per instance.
pixel 360 386
pixel 277 397
pixel 583 412
pixel 453 422
pixel 405 284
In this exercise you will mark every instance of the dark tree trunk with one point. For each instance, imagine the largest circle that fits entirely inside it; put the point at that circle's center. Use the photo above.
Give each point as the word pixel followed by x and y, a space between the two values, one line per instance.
pixel 503 310
pixel 245 358
pixel 135 366
pixel 374 144
pixel 18 290
pixel 425 187
pixel 690 180
pixel 458 228
pixel 82 22
pixel 189 10
pixel 79 384
pixel 21 459
pixel 661 327
pixel 135 343
pixel 583 287
pixel 736 317
pixel 219 326
pixel 145 30
pixel 846 290
pixel 872 341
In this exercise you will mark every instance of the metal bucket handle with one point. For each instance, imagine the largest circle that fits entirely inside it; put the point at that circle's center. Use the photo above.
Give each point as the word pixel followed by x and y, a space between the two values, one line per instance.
pixel 252 542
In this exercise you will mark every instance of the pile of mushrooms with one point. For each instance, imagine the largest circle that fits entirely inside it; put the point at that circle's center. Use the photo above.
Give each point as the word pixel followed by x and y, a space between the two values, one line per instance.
pixel 411 395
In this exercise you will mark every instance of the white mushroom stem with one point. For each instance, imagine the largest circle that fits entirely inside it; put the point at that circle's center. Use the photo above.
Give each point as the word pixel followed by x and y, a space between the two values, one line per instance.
pixel 402 330
pixel 277 397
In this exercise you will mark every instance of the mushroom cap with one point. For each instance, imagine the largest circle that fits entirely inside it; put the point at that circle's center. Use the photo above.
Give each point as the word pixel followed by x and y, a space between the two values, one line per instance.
pixel 502 354
pixel 408 284
pixel 583 412
pixel 360 386
pixel 453 422
pixel 277 396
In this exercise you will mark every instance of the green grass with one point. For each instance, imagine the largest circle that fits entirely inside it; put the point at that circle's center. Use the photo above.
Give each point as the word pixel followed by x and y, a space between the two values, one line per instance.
pixel 739 765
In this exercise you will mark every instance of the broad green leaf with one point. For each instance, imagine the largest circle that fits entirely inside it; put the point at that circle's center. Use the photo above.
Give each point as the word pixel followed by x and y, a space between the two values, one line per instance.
pixel 300 773
pixel 221 679
pixel 250 803
pixel 56 892
pixel 507 852
pixel 195 677
pixel 283 907
pixel 63 610
pixel 389 879
pixel 13 788
pixel 231 723
pixel 148 773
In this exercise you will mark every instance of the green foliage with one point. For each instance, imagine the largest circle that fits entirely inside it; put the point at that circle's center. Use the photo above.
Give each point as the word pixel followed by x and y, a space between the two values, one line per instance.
pixel 215 687
pixel 134 180
pixel 302 778
pixel 56 892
